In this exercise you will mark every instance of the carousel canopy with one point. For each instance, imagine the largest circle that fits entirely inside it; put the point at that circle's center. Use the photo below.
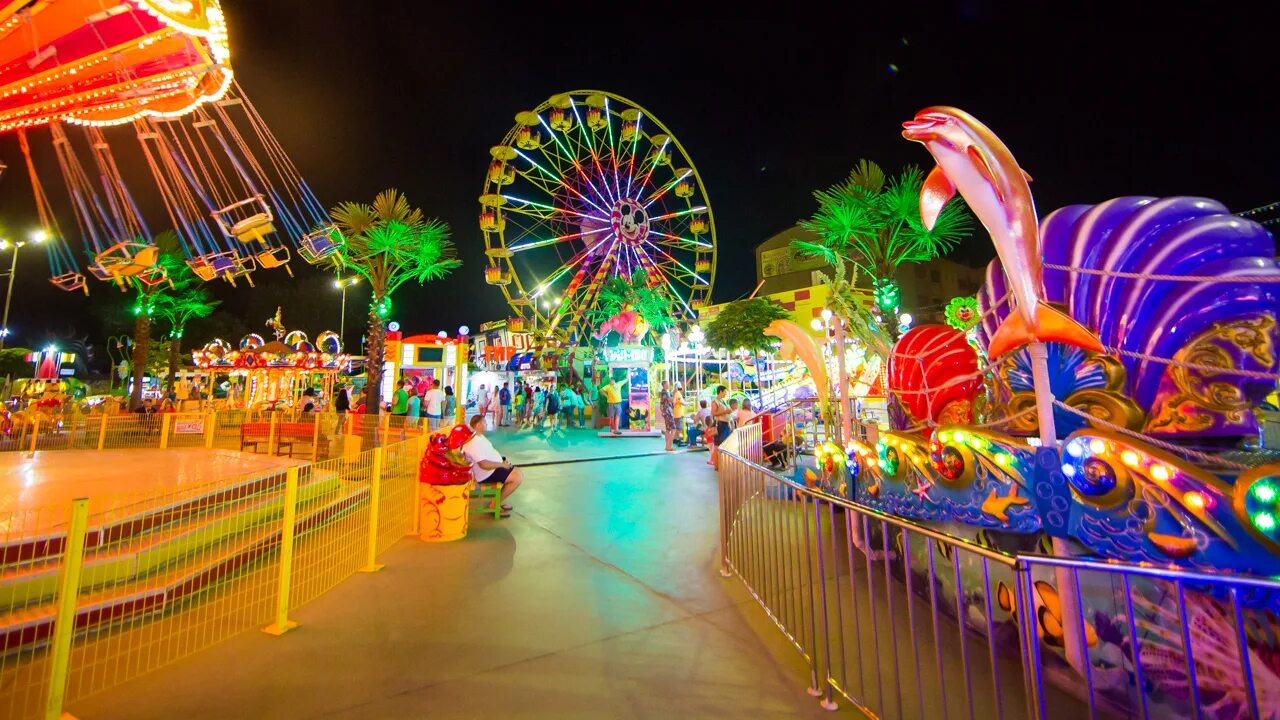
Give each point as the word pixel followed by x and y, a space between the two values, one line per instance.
pixel 103 62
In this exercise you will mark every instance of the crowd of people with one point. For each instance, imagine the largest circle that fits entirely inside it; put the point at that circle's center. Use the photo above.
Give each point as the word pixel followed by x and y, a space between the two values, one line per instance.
pixel 529 405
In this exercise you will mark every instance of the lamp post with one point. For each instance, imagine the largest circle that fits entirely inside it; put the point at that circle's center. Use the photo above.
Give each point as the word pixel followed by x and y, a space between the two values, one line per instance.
pixel 342 284
pixel 36 237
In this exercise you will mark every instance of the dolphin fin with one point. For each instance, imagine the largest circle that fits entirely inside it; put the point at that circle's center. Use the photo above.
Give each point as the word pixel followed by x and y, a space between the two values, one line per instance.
pixel 934 195
pixel 1052 325
pixel 1025 175
pixel 984 169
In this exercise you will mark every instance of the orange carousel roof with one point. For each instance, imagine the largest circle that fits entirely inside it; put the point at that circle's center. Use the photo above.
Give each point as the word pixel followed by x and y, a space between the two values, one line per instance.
pixel 103 62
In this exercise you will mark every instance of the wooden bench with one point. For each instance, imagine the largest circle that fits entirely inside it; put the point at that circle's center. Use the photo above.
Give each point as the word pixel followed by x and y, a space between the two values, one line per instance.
pixel 286 435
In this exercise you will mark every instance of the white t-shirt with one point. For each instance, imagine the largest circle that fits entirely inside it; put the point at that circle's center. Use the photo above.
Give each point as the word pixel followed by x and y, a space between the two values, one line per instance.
pixel 435 400
pixel 479 448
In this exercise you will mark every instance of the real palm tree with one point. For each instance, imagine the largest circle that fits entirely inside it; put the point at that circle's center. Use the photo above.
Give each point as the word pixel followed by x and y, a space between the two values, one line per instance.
pixel 390 243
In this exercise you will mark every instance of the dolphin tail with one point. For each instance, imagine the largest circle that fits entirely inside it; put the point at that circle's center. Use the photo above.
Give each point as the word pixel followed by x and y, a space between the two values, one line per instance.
pixel 1051 325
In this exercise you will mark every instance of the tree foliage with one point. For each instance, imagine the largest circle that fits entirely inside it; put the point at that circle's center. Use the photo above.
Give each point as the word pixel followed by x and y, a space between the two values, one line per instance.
pixel 741 324
pixel 637 293
pixel 846 302
pixel 873 222
pixel 390 243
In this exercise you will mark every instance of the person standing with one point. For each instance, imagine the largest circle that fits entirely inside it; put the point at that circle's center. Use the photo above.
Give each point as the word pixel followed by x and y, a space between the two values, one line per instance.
pixel 495 407
pixel 341 401
pixel 435 406
pixel 450 405
pixel 518 406
pixel 414 409
pixel 612 393
pixel 722 416
pixel 553 407
pixel 400 399
pixel 504 405
pixel 677 404
pixel 666 405
pixel 742 415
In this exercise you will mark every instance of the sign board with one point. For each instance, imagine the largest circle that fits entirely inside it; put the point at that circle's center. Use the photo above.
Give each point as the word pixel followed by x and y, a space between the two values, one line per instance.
pixel 189 427
pixel 628 355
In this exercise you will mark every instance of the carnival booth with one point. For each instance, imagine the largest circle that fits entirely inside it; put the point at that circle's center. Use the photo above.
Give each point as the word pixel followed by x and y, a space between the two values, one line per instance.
pixel 631 364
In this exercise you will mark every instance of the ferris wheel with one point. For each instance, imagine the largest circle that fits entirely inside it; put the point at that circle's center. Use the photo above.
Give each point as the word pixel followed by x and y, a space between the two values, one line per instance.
pixel 589 186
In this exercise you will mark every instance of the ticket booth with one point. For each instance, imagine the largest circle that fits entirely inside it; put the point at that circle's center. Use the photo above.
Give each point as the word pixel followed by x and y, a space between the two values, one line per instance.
pixel 632 364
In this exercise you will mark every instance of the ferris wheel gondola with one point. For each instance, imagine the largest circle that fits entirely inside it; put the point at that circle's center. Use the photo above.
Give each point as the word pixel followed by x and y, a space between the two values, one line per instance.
pixel 585 187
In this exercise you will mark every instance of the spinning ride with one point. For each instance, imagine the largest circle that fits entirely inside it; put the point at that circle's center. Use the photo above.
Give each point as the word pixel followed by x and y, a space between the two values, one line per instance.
pixel 230 191
pixel 585 187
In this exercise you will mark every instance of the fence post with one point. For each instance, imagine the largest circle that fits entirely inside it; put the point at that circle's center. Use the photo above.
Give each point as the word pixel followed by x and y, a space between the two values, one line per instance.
pixel 102 431
pixel 375 499
pixel 165 424
pixel 282 623
pixel 385 422
pixel 210 428
pixel 271 433
pixel 423 442
pixel 35 431
pixel 64 623
pixel 315 436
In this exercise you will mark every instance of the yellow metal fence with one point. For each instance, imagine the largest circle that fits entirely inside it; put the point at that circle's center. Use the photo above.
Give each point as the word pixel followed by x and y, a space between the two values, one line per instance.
pixel 108 588
pixel 313 436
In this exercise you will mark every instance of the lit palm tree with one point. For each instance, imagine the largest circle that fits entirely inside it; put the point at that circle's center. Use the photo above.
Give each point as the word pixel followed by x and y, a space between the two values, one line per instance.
pixel 148 300
pixel 186 301
pixel 873 222
pixel 390 243
pixel 638 293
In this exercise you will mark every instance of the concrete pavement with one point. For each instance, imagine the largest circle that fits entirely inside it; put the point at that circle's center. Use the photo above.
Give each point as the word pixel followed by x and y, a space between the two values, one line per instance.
pixel 598 598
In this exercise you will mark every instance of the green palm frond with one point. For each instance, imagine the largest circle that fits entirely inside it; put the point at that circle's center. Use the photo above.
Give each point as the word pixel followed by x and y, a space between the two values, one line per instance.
pixel 390 242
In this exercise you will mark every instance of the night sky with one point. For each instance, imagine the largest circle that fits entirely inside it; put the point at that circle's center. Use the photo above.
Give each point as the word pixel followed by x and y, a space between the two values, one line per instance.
pixel 770 105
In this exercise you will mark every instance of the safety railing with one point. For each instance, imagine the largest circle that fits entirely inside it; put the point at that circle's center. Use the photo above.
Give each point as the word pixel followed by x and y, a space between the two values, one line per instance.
pixel 313 436
pixel 110 587
pixel 904 621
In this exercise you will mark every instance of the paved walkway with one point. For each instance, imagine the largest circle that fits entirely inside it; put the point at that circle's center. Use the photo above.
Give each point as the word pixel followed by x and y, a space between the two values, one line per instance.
pixel 598 598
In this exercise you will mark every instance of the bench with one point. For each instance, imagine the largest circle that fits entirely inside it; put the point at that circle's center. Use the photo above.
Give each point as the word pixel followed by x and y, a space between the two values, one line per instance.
pixel 489 491
pixel 286 435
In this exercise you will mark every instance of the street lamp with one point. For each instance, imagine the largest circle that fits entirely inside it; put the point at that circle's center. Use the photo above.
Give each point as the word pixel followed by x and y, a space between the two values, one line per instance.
pixel 342 284
pixel 37 236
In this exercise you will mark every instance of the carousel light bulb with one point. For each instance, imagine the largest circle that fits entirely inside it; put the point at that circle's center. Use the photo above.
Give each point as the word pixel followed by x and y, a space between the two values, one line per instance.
pixel 1195 500
pixel 816 324
pixel 442 334
pixel 1097 447
pixel 464 330
pixel 826 314
pixel 1160 473
pixel 1130 458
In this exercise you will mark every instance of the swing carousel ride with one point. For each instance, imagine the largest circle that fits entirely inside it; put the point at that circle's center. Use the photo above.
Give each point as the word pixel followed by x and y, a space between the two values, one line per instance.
pixel 585 187
pixel 161 69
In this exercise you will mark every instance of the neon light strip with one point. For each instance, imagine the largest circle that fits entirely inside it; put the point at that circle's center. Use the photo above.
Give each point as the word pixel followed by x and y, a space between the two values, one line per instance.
pixel 668 186
pixel 573 158
pixel 562 238
pixel 556 209
pixel 681 239
pixel 700 208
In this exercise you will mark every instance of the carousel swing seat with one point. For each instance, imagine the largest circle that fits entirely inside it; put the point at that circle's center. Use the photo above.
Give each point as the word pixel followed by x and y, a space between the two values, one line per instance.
pixel 274 258
pixel 318 246
pixel 70 282
pixel 125 260
pixel 238 220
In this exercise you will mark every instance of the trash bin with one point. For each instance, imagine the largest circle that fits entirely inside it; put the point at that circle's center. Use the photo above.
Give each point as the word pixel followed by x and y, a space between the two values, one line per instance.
pixel 444 488
pixel 444 512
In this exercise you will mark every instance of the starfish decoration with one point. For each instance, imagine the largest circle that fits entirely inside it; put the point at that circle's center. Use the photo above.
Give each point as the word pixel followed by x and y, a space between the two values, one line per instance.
pixel 922 491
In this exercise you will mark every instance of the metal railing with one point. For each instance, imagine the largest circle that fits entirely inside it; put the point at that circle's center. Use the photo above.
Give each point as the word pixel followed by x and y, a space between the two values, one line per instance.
pixel 902 620
pixel 114 586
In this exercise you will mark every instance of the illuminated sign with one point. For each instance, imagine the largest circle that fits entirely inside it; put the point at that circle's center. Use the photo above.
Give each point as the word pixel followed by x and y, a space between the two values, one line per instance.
pixel 628 354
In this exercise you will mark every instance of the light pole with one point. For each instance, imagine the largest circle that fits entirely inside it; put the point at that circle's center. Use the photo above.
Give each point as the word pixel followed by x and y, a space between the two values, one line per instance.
pixel 36 236
pixel 342 284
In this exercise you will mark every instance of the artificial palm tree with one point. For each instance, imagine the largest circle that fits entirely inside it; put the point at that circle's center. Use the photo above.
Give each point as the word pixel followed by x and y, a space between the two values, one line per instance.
pixel 186 301
pixel 873 222
pixel 637 293
pixel 148 300
pixel 390 243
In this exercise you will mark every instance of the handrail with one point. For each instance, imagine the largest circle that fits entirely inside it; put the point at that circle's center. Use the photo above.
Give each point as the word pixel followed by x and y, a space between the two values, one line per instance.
pixel 845 583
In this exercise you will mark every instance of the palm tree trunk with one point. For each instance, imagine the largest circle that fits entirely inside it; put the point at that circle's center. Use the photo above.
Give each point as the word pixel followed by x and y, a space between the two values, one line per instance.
pixel 141 348
pixel 373 361
pixel 175 352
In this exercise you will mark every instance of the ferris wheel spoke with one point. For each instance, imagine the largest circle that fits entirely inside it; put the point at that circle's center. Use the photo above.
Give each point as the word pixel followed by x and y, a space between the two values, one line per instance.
pixel 668 256
pixel 548 210
pixel 663 191
pixel 578 258
pixel 661 275
pixel 562 238
pixel 679 213
pixel 537 182
pixel 677 241
pixel 657 158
